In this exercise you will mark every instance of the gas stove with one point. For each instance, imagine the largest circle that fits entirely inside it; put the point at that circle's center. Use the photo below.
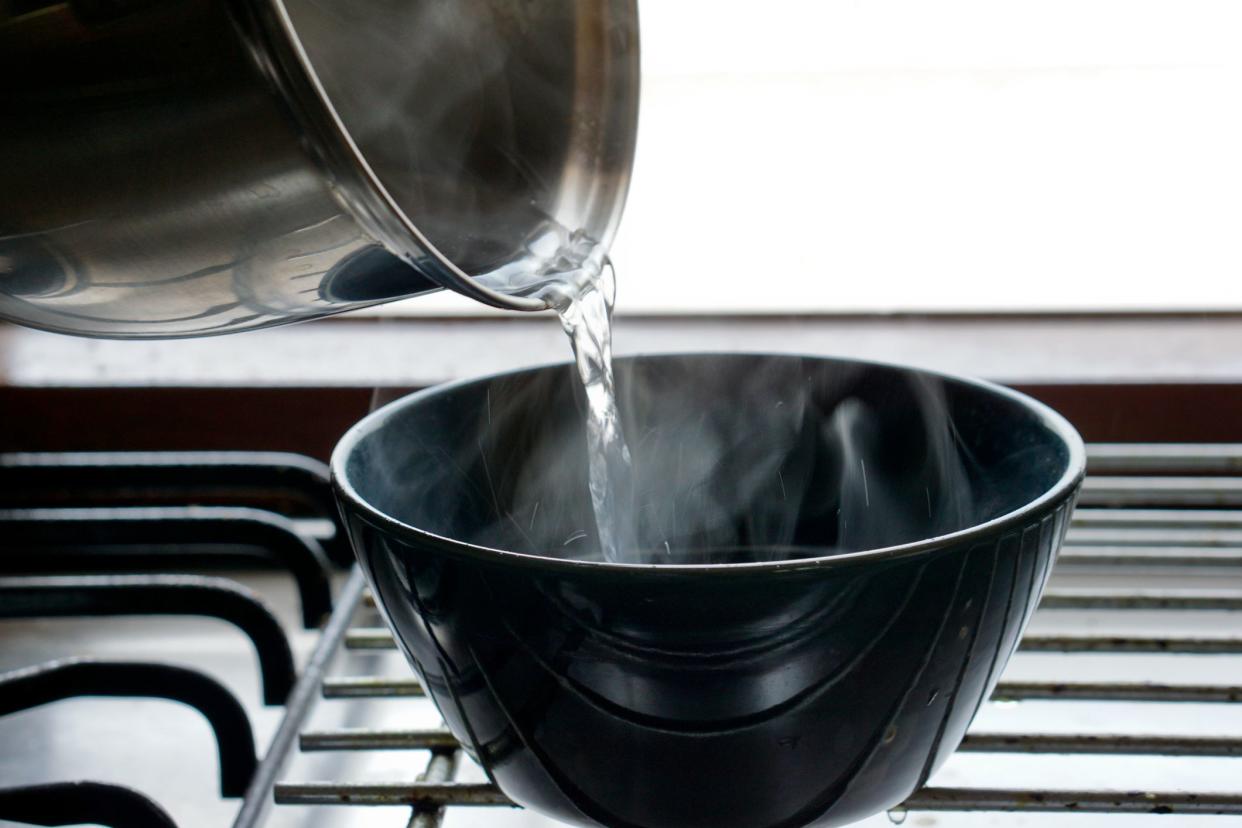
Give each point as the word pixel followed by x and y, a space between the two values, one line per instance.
pixel 222 581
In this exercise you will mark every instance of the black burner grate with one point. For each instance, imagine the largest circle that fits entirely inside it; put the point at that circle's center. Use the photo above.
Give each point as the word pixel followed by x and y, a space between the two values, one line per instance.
pixel 64 515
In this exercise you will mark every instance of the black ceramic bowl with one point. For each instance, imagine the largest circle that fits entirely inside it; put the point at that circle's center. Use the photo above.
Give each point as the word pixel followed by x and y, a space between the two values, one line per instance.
pixel 862 568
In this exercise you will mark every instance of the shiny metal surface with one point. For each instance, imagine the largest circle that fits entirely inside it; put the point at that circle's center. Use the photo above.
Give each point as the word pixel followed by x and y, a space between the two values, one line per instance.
pixel 191 167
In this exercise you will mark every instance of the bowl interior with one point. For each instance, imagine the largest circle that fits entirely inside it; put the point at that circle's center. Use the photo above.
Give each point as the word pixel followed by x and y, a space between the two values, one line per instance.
pixel 736 458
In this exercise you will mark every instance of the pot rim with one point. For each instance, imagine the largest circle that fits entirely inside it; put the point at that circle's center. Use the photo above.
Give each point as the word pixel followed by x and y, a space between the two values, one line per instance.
pixel 352 179
pixel 1063 489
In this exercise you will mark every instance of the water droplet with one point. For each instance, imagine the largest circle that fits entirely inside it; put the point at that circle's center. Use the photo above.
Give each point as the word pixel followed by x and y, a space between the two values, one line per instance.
pixel 931 697
pixel 963 632
pixel 890 734
pixel 897 815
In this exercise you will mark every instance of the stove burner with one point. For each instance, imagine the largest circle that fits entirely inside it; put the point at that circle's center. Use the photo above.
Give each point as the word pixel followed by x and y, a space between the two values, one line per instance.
pixel 108 513
pixel 72 678
pixel 160 595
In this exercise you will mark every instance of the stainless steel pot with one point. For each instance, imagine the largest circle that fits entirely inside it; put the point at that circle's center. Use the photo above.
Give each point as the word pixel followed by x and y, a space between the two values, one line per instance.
pixel 190 167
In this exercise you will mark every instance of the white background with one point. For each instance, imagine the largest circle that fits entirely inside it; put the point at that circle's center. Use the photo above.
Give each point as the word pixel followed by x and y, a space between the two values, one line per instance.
pixel 840 155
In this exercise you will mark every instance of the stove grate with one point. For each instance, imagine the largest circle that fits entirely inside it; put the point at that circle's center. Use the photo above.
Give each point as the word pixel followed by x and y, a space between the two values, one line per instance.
pixel 1155 508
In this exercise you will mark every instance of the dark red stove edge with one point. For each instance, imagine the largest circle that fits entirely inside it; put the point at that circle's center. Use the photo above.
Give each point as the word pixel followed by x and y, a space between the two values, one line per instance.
pixel 310 420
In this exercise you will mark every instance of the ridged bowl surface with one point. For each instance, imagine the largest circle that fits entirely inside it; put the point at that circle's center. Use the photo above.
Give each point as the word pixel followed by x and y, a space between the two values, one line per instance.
pixel 816 690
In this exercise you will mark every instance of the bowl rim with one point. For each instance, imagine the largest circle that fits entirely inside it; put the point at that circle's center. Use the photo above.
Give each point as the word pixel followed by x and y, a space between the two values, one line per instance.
pixel 1063 489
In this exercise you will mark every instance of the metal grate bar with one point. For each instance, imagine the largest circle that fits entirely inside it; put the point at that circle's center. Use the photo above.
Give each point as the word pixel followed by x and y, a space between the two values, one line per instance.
pixel 1157 519
pixel 1154 599
pixel 75 541
pixel 927 799
pixel 1149 536
pixel 1112 744
pixel 437 739
pixel 440 770
pixel 1116 691
pixel 1161 491
pixel 428 794
pixel 1113 802
pixel 113 595
pixel 284 482
pixel 1135 556
pixel 70 678
pixel 369 638
pixel 259 794
pixel 1129 644
pixel 1147 458
pixel 370 687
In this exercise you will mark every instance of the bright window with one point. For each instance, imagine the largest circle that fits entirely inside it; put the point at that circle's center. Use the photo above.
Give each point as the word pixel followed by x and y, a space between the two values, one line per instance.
pixel 961 155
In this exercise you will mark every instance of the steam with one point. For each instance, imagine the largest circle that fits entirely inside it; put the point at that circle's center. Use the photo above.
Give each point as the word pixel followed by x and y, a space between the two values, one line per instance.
pixel 725 474
pixel 767 463
pixel 880 510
